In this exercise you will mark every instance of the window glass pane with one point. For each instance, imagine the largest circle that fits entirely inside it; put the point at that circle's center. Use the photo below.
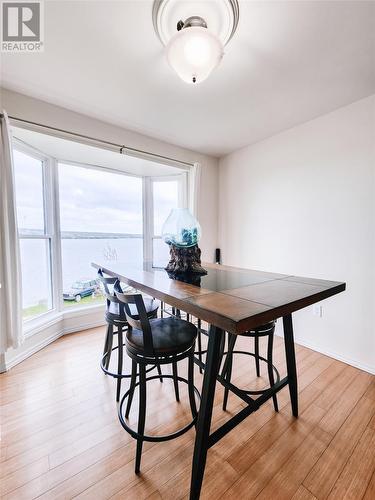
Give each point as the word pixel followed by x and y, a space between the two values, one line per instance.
pixel 101 220
pixel 165 195
pixel 160 253
pixel 29 193
pixel 79 277
pixel 97 201
pixel 36 277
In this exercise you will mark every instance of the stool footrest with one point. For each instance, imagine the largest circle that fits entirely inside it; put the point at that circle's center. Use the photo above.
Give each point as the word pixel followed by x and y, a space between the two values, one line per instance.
pixel 165 437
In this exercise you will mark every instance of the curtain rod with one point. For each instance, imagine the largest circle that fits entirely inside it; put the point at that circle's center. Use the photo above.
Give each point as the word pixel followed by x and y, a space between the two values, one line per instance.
pixel 121 147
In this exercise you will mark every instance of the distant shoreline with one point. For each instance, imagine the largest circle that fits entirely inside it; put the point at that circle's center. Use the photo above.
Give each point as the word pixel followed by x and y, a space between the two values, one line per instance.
pixel 86 235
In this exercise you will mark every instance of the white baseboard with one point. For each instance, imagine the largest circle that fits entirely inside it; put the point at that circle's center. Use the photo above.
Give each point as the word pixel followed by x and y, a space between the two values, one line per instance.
pixel 32 350
pixel 335 355
pixel 85 326
pixel 40 345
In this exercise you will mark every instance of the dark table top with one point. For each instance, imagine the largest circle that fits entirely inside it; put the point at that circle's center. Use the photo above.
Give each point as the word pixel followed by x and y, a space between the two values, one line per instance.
pixel 230 298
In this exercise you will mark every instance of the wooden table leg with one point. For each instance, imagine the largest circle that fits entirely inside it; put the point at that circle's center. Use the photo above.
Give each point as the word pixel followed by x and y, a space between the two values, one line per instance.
pixel 205 411
pixel 291 362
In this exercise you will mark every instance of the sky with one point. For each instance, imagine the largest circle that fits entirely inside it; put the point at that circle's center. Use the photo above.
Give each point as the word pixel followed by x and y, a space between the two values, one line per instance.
pixel 29 198
pixel 90 200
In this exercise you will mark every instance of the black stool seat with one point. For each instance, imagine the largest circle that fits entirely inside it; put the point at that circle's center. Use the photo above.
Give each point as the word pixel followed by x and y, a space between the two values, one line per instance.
pixel 169 336
pixel 260 331
pixel 116 314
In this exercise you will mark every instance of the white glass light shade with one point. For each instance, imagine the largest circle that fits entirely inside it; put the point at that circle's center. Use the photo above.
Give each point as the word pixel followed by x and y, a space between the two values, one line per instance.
pixel 193 53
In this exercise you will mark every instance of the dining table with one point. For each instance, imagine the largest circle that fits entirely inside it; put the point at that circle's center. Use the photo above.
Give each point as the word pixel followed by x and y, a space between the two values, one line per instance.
pixel 234 300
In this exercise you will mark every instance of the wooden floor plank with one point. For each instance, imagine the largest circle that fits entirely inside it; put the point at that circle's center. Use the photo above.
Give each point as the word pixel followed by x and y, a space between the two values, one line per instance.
pixel 324 474
pixel 214 484
pixel 356 475
pixel 13 481
pixel 343 375
pixel 370 491
pixel 104 486
pixel 337 413
pixel 256 477
pixel 303 494
pixel 370 393
pixel 372 423
pixel 290 476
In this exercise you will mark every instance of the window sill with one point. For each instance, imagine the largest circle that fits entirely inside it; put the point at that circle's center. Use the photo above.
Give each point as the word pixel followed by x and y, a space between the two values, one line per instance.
pixel 39 324
pixel 81 311
pixel 52 318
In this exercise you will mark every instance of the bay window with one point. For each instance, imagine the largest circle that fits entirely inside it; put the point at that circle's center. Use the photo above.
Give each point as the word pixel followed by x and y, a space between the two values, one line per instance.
pixel 71 214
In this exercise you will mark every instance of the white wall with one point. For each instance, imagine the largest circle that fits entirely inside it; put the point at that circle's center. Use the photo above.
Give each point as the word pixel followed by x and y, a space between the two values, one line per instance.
pixel 303 202
pixel 27 108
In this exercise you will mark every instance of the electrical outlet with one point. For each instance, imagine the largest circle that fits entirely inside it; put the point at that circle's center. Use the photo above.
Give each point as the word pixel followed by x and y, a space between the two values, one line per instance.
pixel 318 310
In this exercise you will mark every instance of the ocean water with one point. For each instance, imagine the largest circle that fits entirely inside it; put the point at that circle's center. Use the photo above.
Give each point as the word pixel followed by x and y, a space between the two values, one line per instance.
pixel 77 255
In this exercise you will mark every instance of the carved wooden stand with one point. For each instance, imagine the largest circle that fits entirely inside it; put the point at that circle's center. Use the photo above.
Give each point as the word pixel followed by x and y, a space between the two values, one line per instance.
pixel 185 260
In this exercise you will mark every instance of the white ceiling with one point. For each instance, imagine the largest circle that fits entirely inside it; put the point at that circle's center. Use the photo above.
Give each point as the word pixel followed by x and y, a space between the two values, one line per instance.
pixel 289 62
pixel 76 152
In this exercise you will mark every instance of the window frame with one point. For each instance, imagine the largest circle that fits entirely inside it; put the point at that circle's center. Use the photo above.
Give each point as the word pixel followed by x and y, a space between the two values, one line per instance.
pixel 52 229
pixel 49 231
pixel 182 197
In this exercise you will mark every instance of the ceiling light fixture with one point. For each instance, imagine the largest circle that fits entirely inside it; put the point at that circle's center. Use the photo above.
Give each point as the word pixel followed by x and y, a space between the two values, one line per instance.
pixel 195 47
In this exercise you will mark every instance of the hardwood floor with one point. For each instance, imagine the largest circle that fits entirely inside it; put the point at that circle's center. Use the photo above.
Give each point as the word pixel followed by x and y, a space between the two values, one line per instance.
pixel 61 437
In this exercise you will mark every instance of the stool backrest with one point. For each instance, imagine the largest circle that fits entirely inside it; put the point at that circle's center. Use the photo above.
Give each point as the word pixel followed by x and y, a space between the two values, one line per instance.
pixel 143 322
pixel 109 293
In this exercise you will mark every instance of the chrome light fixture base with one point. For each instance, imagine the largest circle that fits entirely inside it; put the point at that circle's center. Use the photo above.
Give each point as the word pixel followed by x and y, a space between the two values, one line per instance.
pixel 221 16
pixel 190 22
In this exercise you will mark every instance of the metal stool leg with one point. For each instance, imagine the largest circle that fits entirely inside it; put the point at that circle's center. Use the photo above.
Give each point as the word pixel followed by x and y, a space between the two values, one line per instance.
pixel 222 346
pixel 120 360
pixel 105 349
pixel 199 325
pixel 270 369
pixel 175 380
pixel 256 352
pixel 159 373
pixel 141 416
pixel 131 388
pixel 193 405
pixel 227 368
pixel 108 345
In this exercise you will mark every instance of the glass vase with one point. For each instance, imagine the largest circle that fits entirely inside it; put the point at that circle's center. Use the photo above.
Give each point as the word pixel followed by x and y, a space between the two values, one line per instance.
pixel 181 229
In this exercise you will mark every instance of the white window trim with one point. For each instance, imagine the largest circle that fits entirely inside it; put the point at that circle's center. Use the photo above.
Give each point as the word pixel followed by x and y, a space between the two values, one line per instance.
pixel 34 323
pixel 182 202
pixel 182 179
pixel 52 218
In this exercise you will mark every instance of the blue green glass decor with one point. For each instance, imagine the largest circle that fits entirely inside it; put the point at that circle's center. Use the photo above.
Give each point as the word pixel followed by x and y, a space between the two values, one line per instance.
pixel 182 232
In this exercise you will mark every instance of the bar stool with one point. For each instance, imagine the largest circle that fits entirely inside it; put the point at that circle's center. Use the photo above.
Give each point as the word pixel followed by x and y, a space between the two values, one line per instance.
pixel 155 342
pixel 116 318
pixel 267 330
